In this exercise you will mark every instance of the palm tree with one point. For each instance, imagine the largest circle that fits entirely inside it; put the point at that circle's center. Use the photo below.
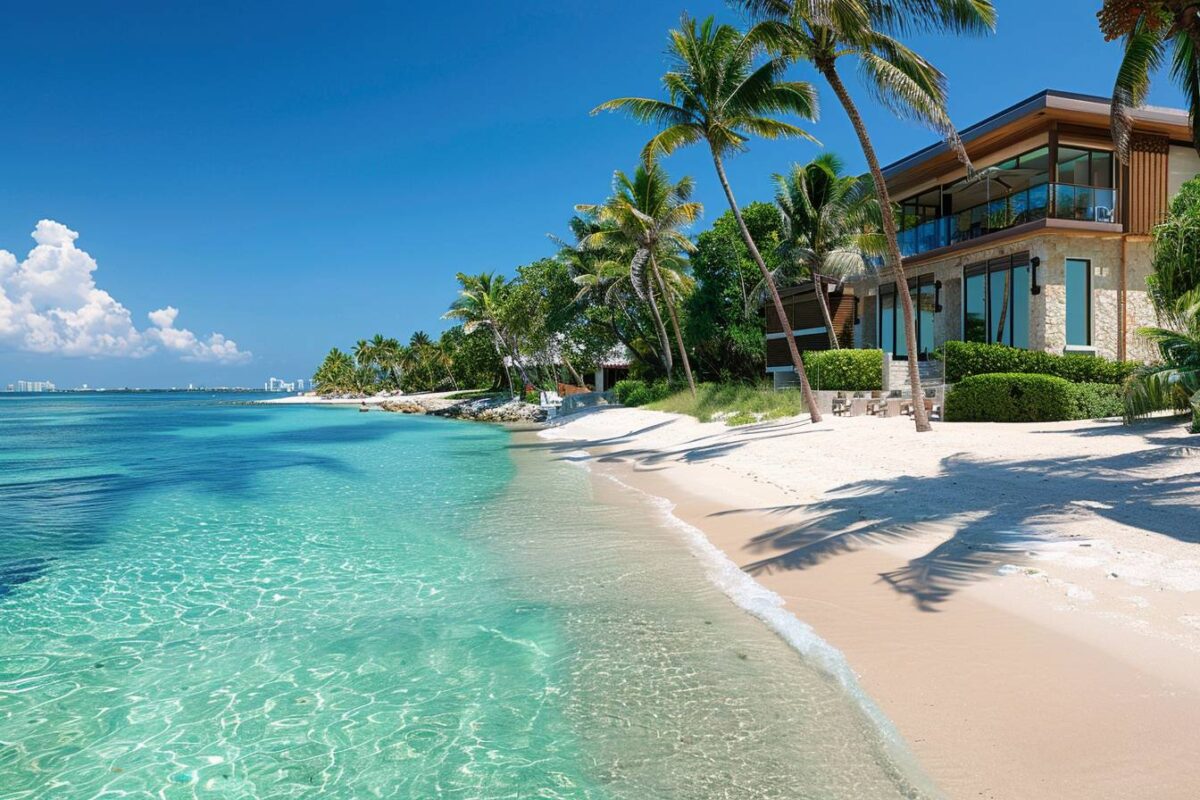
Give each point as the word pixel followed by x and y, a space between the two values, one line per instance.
pixel 419 344
pixel 1149 28
pixel 648 213
pixel 364 353
pixel 830 225
pixel 389 358
pixel 336 373
pixel 718 96
pixel 605 281
pixel 478 307
pixel 820 32
pixel 1175 382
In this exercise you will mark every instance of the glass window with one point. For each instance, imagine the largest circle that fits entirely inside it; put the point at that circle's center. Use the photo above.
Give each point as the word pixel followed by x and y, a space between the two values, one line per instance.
pixel 999 300
pixel 975 308
pixel 1038 161
pixel 1079 301
pixel 926 301
pixel 1073 166
pixel 1102 169
pixel 887 322
pixel 1020 306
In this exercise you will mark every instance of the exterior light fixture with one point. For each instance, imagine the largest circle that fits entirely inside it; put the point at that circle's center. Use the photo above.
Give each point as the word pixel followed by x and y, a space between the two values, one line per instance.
pixel 937 297
pixel 1035 287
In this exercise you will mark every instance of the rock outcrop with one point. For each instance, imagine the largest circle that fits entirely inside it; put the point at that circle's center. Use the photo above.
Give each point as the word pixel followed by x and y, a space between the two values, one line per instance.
pixel 484 409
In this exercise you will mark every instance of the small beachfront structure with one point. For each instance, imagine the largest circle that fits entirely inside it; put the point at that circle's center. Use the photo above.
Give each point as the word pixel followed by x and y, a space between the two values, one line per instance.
pixel 1047 247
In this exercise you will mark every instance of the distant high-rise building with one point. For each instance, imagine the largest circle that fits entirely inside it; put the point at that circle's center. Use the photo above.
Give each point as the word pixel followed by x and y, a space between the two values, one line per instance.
pixel 279 385
pixel 35 386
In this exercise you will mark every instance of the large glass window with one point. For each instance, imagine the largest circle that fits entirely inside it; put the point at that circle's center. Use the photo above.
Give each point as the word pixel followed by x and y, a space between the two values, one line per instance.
pixel 975 307
pixel 923 292
pixel 996 301
pixel 925 299
pixel 1078 273
pixel 887 320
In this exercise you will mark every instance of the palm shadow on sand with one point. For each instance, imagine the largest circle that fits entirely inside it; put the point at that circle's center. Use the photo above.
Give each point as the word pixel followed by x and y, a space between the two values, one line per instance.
pixel 990 512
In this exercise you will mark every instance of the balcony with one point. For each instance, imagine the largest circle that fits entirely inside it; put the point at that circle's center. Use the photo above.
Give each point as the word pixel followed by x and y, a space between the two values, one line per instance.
pixel 1043 201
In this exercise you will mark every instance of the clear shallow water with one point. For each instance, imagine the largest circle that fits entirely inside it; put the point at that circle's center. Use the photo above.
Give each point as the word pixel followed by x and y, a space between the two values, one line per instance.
pixel 201 599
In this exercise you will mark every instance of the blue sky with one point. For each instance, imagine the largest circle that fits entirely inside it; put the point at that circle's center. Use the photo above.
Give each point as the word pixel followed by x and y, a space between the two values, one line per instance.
pixel 299 175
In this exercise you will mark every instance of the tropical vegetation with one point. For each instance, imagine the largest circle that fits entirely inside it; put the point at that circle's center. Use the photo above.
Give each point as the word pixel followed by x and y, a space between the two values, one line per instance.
pixel 1024 397
pixel 821 33
pixel 1150 29
pixel 633 283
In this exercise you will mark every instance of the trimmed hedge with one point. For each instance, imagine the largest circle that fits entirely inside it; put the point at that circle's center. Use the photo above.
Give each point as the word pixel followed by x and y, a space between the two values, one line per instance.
pixel 632 392
pixel 1097 400
pixel 964 359
pixel 1023 397
pixel 845 370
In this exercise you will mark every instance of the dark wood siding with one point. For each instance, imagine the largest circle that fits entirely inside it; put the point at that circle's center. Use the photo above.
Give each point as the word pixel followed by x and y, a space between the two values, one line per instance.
pixel 806 313
pixel 1147 193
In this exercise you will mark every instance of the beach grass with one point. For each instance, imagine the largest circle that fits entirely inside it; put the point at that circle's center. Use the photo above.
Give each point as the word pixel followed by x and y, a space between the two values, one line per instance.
pixel 736 403
pixel 473 395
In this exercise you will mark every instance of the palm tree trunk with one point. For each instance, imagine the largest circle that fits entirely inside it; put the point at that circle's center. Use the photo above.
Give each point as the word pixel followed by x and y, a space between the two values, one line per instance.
pixel 683 356
pixel 823 302
pixel 1004 307
pixel 660 329
pixel 895 261
pixel 574 375
pixel 499 343
pixel 806 391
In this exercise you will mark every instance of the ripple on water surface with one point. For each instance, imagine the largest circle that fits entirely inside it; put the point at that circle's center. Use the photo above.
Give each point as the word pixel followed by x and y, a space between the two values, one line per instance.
pixel 288 602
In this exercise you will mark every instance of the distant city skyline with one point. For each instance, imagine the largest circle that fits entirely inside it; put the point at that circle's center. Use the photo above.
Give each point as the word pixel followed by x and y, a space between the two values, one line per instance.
pixel 217 206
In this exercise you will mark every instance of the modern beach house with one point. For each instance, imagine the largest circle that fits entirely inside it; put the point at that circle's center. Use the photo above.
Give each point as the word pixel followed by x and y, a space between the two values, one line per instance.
pixel 1047 247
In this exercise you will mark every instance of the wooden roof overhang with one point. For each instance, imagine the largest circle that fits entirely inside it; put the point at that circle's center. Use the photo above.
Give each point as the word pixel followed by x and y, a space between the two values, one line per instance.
pixel 1075 115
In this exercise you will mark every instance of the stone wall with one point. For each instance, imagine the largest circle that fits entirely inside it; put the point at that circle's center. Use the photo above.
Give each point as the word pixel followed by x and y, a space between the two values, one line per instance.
pixel 1047 328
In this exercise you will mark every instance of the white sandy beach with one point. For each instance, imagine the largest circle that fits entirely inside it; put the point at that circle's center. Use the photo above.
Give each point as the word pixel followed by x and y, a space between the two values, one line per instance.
pixel 1023 601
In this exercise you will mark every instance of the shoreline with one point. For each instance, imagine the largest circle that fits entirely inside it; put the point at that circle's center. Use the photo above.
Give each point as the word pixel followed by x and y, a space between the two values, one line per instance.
pixel 1024 643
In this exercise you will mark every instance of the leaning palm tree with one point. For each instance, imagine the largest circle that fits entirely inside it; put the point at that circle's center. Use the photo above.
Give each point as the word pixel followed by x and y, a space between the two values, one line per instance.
pixel 1150 28
pixel 647 213
pixel 822 32
pixel 830 226
pixel 717 95
pixel 1175 381
pixel 478 308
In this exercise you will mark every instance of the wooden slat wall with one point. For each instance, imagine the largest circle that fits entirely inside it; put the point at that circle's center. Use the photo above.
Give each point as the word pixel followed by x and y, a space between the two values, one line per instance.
pixel 805 313
pixel 1147 193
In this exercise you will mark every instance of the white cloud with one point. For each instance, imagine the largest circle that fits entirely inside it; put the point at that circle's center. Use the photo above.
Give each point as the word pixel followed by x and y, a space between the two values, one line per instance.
pixel 187 344
pixel 49 303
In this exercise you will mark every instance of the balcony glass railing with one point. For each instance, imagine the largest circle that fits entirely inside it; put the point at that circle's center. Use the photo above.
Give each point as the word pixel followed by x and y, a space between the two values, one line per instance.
pixel 1045 200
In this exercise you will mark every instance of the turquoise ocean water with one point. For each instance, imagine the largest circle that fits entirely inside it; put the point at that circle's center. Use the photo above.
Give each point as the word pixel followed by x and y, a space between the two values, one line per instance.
pixel 201 598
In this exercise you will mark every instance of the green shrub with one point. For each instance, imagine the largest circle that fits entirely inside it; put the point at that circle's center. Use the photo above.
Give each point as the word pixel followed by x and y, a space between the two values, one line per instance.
pixel 1010 397
pixel 739 418
pixel 1024 397
pixel 639 393
pixel 1097 400
pixel 965 359
pixel 845 370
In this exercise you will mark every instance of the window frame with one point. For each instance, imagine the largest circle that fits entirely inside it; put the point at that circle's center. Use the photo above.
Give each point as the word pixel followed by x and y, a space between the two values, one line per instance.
pixel 890 291
pixel 987 268
pixel 1088 300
